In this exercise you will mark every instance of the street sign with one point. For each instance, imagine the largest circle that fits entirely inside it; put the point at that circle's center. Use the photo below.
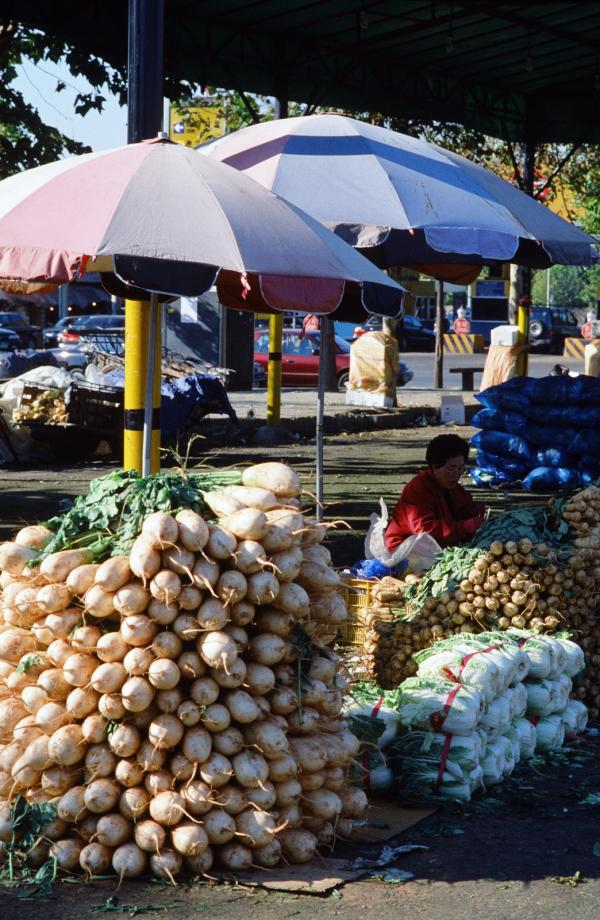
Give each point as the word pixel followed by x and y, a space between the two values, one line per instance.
pixel 196 124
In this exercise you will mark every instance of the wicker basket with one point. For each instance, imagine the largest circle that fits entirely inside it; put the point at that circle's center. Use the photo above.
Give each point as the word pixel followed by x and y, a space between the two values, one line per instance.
pixel 356 593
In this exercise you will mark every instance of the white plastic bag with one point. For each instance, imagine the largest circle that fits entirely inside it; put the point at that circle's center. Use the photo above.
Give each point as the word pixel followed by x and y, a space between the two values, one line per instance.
pixel 420 549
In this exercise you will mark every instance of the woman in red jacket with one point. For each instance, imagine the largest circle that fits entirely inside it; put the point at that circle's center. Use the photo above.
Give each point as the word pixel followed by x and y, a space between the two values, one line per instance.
pixel 433 502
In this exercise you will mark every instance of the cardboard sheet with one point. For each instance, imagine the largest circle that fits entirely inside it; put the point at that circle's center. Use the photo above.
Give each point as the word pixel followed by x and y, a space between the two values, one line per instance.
pixel 323 874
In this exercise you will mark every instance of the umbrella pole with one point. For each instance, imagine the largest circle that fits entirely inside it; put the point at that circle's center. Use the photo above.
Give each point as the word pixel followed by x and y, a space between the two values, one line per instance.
pixel 320 417
pixel 151 437
pixel 440 318
pixel 136 357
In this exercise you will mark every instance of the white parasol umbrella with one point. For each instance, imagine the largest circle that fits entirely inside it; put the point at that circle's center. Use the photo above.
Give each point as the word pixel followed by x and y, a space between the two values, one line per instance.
pixel 165 220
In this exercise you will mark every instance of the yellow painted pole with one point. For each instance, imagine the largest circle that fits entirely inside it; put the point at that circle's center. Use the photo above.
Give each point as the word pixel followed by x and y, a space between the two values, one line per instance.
pixel 136 364
pixel 274 369
pixel 523 325
pixel 155 443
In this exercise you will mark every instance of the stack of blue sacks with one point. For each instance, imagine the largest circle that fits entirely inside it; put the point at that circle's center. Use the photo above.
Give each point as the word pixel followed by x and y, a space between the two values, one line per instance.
pixel 544 433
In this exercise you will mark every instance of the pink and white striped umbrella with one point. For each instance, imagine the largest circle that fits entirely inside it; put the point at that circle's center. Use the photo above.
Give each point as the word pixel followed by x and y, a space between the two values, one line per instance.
pixel 167 220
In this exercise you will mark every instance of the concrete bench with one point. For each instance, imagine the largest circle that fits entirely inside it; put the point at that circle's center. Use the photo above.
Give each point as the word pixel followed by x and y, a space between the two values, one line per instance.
pixel 467 374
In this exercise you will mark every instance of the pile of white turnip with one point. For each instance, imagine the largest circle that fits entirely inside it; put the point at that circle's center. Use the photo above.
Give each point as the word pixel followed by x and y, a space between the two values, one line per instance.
pixel 180 706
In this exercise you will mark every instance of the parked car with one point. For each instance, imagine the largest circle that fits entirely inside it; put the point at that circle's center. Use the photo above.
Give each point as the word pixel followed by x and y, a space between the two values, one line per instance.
pixel 550 326
pixel 28 334
pixel 412 334
pixel 50 335
pixel 9 340
pixel 300 359
pixel 92 325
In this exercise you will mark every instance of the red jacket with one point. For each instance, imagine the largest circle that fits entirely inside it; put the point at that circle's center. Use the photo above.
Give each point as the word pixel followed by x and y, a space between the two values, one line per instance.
pixel 450 516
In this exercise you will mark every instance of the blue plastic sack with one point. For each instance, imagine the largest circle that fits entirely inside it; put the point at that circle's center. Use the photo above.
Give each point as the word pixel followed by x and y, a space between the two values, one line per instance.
pixel 501 398
pixel 561 416
pixel 567 391
pixel 498 420
pixel 547 479
pixel 500 442
pixel 373 568
pixel 586 443
pixel 542 436
pixel 504 468
pixel 553 456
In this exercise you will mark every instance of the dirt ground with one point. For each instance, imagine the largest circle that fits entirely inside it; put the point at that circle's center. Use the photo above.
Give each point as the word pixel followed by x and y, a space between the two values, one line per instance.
pixel 497 858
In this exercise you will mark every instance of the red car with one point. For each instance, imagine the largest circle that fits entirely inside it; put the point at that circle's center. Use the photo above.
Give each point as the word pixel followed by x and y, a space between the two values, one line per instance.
pixel 300 358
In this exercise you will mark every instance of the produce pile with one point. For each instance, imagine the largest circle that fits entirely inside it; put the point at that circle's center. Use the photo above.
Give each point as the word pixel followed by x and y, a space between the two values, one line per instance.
pixel 479 705
pixel 48 406
pixel 542 432
pixel 178 703
pixel 513 584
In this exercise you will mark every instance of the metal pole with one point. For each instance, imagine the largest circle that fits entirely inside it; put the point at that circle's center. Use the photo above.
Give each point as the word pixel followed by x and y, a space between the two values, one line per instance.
pixel 548 270
pixel 275 332
pixel 525 298
pixel 319 430
pixel 151 428
pixel 438 372
pixel 136 352
pixel 63 301
pixel 274 369
pixel 145 115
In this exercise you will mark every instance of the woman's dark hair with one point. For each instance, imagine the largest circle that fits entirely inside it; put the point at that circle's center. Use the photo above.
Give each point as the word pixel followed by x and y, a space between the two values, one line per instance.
pixel 445 446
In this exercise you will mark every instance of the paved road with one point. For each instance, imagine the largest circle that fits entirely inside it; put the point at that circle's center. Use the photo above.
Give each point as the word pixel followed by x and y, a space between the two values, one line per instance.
pixel 422 367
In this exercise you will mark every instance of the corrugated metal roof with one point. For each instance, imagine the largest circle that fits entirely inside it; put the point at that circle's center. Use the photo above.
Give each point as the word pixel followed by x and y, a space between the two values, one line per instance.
pixel 514 70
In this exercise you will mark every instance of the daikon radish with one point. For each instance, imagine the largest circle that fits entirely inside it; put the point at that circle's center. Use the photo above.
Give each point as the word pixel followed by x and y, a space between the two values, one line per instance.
pixel 189 839
pixel 99 603
pixel 216 770
pixel 196 744
pixel 150 836
pixel 219 826
pixel 137 660
pixel 112 830
pixel 268 738
pixel 328 608
pixel 167 808
pixel 166 586
pixel 66 853
pixel 297 846
pixel 231 587
pixel 57 567
pixel 165 731
pixel 191 665
pixel 134 802
pixel 221 542
pixel 167 645
pixel 137 694
pixel 267 648
pixel 205 574
pixel 268 856
pixel 163 614
pixel 129 773
pixel 250 768
pixel 293 599
pixel 251 497
pixel 317 578
pixel 234 677
pixel 110 705
pixel 278 622
pixel 55 781
pixel 235 857
pixel 81 579
pixel 242 706
pixel 35 536
pixel 125 740
pixel 94 729
pixel 95 859
pixel 278 538
pixel 113 574
pixel 198 797
pixel 216 718
pixel 189 598
pixel 179 560
pixel 111 647
pixel 221 503
pixel 164 674
pixel 247 524
pixel 144 560
pixel 250 557
pixel 14 643
pixel 160 530
pixel 263 588
pixel 242 613
pixel 317 553
pixel 230 741
pixel 14 557
pixel 129 861
pixel 212 614
pixel 108 677
pixel 204 691
pixel 52 598
pixel 130 599
pixel 218 650
pixel 193 530
pixel 288 563
pixel 276 477
pixel 138 629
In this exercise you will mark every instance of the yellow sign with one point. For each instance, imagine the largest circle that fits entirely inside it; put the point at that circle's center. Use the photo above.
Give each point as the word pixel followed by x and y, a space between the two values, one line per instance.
pixel 196 125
